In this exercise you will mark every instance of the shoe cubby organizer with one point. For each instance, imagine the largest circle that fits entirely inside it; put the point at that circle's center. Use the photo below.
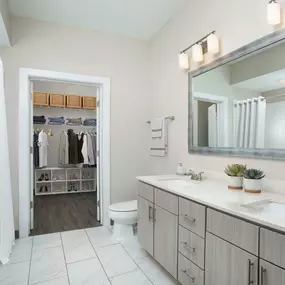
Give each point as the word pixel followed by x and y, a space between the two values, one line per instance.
pixel 55 180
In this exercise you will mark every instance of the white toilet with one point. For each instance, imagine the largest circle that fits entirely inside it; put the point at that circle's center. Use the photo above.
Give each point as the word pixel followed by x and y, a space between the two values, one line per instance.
pixel 124 215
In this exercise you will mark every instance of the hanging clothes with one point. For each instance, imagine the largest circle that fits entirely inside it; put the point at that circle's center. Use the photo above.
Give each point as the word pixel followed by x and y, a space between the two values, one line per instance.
pixel 94 138
pixel 36 150
pixel 72 147
pixel 63 148
pixel 84 150
pixel 90 150
pixel 79 147
pixel 42 143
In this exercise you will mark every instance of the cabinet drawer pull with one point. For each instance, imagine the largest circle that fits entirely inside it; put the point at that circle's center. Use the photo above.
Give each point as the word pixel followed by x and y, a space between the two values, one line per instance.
pixel 262 273
pixel 192 249
pixel 188 276
pixel 150 215
pixel 250 264
pixel 189 218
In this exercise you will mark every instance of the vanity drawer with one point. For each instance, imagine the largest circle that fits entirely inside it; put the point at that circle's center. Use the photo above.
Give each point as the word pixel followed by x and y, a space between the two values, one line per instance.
pixel 146 191
pixel 192 216
pixel 166 201
pixel 192 246
pixel 188 272
pixel 236 231
pixel 272 247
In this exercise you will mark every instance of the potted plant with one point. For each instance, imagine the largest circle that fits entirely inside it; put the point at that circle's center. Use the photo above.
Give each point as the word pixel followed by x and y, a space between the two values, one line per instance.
pixel 235 172
pixel 252 182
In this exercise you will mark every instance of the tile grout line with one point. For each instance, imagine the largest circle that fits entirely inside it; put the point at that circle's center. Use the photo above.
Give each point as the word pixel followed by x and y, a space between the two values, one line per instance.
pixel 136 264
pixel 64 259
pixel 30 261
pixel 98 257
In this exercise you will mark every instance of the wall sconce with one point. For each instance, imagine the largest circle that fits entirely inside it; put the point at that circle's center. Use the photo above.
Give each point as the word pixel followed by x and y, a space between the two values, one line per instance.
pixel 273 13
pixel 209 43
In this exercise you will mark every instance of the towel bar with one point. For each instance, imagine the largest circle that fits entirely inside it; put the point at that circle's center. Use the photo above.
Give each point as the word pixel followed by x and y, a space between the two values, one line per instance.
pixel 168 118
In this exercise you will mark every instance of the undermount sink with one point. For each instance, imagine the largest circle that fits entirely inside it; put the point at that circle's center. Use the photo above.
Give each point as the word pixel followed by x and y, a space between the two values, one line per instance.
pixel 169 179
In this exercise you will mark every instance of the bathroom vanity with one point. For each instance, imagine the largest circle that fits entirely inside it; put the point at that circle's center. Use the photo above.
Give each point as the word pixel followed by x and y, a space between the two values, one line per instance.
pixel 202 233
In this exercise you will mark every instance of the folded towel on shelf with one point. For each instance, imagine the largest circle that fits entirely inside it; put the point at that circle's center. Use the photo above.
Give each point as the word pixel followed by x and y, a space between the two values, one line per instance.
pixel 156 127
pixel 39 119
pixel 159 146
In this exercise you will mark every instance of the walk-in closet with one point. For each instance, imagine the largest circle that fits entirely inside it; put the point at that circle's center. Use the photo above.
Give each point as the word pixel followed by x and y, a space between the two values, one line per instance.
pixel 65 193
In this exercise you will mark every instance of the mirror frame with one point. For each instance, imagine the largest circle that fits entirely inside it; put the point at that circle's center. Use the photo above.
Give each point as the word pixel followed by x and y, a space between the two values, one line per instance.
pixel 262 43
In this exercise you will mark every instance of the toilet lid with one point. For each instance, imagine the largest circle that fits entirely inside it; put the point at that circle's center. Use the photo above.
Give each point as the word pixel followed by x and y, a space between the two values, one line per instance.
pixel 128 206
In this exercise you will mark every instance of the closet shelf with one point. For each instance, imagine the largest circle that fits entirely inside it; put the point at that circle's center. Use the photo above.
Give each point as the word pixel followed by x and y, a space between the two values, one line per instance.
pixel 63 192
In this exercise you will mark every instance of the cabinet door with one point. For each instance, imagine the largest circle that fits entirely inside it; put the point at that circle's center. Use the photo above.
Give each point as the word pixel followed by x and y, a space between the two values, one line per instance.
pixel 270 274
pixel 227 264
pixel 165 239
pixel 145 224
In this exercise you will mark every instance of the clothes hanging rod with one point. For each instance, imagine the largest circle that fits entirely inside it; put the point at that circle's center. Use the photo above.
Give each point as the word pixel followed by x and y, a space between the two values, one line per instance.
pixel 199 41
pixel 172 118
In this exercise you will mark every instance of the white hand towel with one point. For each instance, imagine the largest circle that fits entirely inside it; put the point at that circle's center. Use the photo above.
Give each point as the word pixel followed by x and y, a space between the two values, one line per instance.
pixel 159 146
pixel 156 127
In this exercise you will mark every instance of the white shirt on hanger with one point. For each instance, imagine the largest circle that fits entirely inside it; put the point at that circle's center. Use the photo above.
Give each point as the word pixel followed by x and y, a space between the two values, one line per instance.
pixel 90 150
pixel 84 150
pixel 43 143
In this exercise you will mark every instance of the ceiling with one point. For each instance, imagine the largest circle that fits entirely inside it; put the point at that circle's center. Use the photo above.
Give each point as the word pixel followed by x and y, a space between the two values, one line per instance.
pixel 263 83
pixel 135 18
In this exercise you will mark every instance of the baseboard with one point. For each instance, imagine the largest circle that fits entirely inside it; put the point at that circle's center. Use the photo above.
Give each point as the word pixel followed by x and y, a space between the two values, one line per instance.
pixel 17 234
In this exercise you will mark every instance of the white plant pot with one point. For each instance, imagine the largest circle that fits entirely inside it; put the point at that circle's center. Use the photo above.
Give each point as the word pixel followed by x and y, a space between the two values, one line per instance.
pixel 252 185
pixel 235 183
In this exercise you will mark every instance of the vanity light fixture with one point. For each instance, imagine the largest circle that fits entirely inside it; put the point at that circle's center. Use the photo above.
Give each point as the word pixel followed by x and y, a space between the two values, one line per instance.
pixel 209 43
pixel 213 44
pixel 273 13
pixel 197 53
pixel 184 61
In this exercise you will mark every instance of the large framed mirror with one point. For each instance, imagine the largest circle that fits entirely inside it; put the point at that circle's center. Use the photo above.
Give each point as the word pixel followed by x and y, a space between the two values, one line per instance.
pixel 237 103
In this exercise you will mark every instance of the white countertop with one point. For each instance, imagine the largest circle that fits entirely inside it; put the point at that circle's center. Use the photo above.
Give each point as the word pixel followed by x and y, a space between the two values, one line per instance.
pixel 216 194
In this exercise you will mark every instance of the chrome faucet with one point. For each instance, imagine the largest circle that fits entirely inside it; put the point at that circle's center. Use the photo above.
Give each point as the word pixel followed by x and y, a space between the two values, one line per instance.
pixel 195 176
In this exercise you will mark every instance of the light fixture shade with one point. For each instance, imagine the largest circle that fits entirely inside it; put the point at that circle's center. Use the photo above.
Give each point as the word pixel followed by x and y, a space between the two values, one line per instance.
pixel 213 44
pixel 184 61
pixel 273 13
pixel 197 53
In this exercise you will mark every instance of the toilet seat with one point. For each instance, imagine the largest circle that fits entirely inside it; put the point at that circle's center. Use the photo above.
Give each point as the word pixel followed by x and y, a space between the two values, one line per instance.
pixel 129 206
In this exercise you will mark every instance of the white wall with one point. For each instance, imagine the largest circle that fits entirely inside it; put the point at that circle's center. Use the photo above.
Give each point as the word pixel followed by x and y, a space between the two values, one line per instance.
pixel 54 47
pixel 237 23
pixel 5 23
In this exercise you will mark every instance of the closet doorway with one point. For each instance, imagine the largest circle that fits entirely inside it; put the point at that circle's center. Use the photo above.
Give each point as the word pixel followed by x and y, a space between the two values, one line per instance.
pixel 65 193
pixel 64 180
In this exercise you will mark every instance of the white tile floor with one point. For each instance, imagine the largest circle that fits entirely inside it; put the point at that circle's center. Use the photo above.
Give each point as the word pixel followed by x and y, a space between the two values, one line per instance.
pixel 82 257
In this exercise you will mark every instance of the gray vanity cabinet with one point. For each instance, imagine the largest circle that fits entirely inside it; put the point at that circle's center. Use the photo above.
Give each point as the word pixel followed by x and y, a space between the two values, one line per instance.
pixel 145 224
pixel 227 264
pixel 270 274
pixel 165 239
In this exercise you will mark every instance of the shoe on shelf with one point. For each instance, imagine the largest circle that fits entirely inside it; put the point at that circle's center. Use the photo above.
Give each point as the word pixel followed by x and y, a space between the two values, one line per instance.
pixel 41 189
pixel 46 189
pixel 46 177
pixel 41 177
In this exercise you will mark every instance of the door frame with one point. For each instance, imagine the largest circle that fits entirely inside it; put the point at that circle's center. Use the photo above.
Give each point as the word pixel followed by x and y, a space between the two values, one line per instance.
pixel 222 114
pixel 25 76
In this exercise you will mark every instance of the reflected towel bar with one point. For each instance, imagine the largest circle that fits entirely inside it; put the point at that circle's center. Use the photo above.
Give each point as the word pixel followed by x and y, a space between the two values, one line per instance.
pixel 167 118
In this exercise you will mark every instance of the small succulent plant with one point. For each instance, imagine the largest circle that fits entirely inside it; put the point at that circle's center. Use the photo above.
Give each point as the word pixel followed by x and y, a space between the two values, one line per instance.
pixel 253 174
pixel 235 170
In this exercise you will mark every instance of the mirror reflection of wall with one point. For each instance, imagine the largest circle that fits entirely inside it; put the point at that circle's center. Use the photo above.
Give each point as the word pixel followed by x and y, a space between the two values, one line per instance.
pixel 241 104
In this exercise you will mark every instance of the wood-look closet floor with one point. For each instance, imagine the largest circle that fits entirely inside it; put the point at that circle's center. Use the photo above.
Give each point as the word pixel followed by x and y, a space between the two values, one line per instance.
pixel 57 213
